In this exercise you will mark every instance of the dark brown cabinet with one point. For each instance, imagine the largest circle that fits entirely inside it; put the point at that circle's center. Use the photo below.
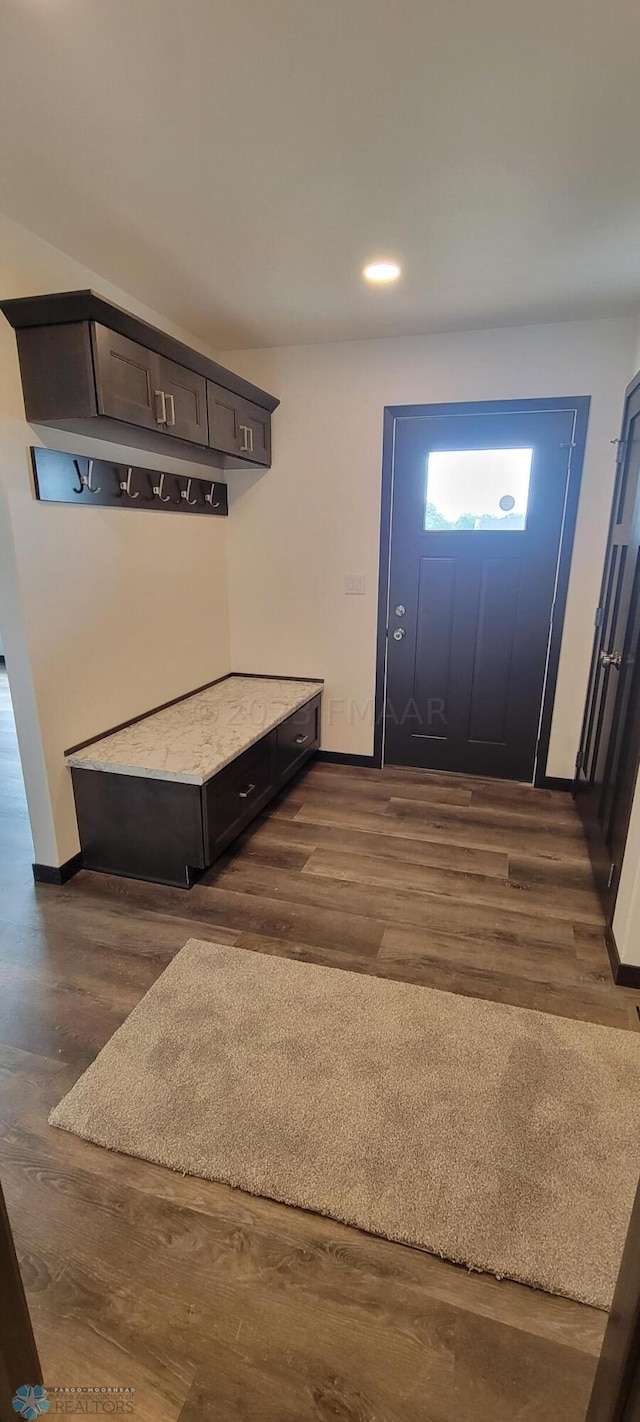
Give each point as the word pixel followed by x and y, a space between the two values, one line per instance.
pixel 297 736
pixel 148 390
pixel 169 831
pixel 125 378
pixel 182 399
pixel 255 433
pixel 224 409
pixel 237 794
pixel 90 367
pixel 238 426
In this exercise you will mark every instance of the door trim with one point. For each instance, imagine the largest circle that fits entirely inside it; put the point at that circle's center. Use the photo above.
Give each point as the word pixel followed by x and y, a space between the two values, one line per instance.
pixel 621 972
pixel 579 406
pixel 624 974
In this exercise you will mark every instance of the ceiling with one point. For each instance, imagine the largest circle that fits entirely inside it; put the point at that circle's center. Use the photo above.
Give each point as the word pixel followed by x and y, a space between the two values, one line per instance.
pixel 234 163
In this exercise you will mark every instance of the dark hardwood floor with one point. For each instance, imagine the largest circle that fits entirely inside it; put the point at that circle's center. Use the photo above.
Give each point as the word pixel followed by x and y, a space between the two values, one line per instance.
pixel 219 1306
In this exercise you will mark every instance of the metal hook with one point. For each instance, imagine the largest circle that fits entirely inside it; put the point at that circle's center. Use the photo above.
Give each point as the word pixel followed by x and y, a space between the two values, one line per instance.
pixel 184 494
pixel 209 498
pixel 86 479
pixel 125 484
pixel 157 489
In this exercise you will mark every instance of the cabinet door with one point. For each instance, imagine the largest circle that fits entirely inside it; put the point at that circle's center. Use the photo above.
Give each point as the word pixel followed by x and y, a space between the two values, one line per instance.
pixel 297 738
pixel 126 379
pixel 185 401
pixel 224 418
pixel 255 433
pixel 237 794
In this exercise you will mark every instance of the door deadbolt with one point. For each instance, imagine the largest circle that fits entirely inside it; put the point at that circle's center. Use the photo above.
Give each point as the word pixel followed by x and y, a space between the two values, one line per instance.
pixel 400 610
pixel 399 634
pixel 611 659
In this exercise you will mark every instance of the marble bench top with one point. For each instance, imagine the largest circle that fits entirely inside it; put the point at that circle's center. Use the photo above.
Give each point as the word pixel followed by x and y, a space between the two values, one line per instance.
pixel 195 738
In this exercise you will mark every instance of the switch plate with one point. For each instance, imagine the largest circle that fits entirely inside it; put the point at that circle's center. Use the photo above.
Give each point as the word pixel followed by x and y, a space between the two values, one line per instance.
pixel 354 584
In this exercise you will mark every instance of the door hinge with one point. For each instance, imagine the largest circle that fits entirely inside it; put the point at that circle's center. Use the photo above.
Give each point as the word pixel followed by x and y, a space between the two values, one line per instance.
pixel 579 760
pixel 621 449
pixel 599 617
pixel 612 870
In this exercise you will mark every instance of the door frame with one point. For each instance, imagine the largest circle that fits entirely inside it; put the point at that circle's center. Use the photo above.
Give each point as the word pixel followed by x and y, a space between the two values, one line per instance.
pixel 624 974
pixel 616 1386
pixel 579 406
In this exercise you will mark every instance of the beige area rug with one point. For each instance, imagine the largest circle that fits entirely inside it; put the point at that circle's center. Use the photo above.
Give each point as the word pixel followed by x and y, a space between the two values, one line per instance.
pixel 503 1139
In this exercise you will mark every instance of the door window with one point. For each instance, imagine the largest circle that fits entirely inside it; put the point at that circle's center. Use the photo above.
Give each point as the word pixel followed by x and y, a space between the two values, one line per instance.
pixel 477 490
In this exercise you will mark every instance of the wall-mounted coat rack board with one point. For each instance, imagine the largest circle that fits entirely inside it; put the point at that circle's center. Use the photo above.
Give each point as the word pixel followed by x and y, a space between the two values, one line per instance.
pixel 98 483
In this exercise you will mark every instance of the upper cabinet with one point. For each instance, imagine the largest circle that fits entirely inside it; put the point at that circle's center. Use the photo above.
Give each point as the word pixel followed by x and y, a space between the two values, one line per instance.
pixel 238 426
pixel 90 367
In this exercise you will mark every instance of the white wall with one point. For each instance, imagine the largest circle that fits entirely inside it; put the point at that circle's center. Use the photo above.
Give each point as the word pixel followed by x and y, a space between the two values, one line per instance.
pixel 104 613
pixel 296 531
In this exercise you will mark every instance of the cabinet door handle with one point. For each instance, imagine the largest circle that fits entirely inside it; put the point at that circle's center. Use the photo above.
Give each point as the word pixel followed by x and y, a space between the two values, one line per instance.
pixel 250 435
pixel 301 740
pixel 244 794
pixel 161 419
pixel 171 419
pixel 244 447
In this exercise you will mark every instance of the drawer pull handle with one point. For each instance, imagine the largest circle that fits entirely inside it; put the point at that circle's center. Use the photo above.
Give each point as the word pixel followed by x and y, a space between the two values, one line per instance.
pixel 301 740
pixel 244 794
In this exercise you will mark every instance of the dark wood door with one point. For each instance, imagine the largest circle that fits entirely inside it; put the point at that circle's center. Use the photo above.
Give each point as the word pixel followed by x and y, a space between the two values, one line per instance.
pixel 19 1362
pixel 126 380
pixel 224 410
pixel 610 744
pixel 616 1389
pixel 183 401
pixel 476 523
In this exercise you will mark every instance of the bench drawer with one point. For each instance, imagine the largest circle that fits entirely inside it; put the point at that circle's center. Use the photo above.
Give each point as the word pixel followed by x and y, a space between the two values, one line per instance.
pixel 298 737
pixel 237 793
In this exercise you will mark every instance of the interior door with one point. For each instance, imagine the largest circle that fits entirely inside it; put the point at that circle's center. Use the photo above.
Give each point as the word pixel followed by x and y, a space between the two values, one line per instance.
pixel 610 744
pixel 476 521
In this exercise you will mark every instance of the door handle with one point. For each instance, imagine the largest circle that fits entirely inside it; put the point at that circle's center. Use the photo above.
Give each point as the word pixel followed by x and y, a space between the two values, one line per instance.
pixel 172 418
pixel 399 634
pixel 611 659
pixel 161 419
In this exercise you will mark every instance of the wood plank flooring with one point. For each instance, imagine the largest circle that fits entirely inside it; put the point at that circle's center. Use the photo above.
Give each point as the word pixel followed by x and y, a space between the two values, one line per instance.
pixel 221 1307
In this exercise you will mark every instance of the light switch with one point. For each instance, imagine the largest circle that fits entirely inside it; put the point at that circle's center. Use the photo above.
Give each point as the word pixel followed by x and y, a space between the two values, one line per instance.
pixel 354 584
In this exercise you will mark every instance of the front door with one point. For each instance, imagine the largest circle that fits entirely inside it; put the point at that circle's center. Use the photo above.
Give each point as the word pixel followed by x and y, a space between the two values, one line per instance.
pixel 477 513
pixel 610 745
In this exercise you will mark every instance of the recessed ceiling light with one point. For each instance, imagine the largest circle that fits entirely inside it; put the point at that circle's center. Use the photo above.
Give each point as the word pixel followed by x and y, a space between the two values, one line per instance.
pixel 381 271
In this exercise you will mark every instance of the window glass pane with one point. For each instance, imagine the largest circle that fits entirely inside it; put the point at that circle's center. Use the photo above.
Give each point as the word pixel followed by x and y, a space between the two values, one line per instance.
pixel 477 489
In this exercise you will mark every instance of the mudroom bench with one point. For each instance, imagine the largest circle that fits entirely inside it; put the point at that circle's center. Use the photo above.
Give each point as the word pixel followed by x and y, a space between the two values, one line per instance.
pixel 162 797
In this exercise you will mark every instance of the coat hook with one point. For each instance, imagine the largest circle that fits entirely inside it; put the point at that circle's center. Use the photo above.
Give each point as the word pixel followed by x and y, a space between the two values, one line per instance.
pixel 184 494
pixel 157 489
pixel 125 484
pixel 209 498
pixel 86 480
